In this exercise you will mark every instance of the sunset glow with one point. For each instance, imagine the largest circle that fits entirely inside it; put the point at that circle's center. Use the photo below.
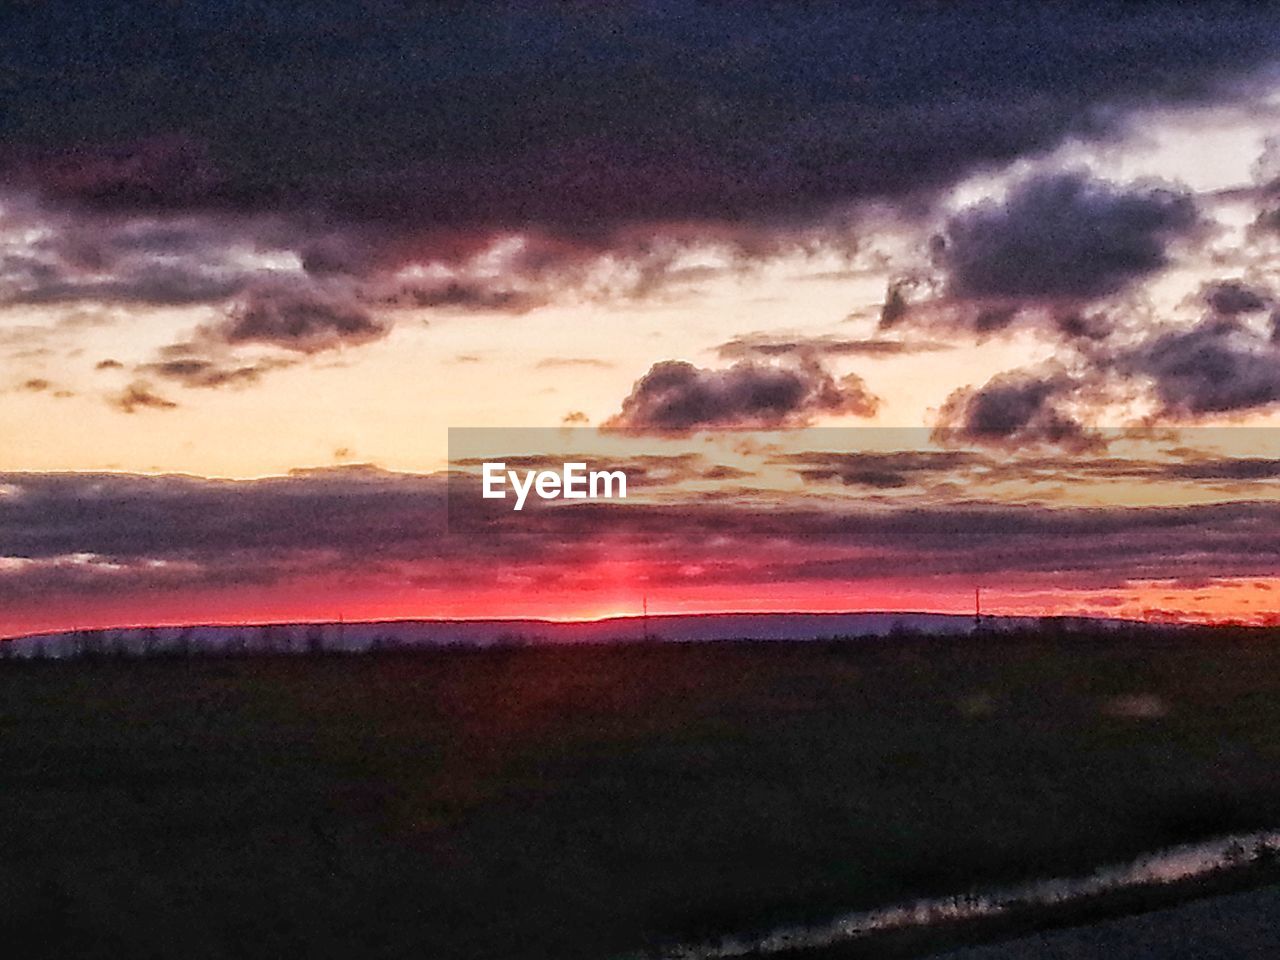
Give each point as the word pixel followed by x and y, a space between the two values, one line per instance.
pixel 853 374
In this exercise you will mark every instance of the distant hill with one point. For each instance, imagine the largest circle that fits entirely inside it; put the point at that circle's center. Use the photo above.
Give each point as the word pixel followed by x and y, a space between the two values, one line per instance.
pixel 301 637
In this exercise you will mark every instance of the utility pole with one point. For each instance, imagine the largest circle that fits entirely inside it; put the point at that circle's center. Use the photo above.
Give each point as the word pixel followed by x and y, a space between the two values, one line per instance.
pixel 645 620
pixel 977 609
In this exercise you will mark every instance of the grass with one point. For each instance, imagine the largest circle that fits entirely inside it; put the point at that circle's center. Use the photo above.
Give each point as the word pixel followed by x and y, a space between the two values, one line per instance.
pixel 582 803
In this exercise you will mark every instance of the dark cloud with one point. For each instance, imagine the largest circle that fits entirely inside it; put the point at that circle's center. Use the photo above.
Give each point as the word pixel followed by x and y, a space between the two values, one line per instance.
pixel 152 173
pixel 199 372
pixel 1245 469
pixel 1267 221
pixel 761 345
pixel 291 314
pixel 579 119
pixel 880 471
pixel 132 260
pixel 895 306
pixel 238 263
pixel 354 143
pixel 108 364
pixel 993 318
pixel 148 284
pixel 297 317
pixel 1013 409
pixel 1232 297
pixel 174 517
pixel 937 472
pixel 113 535
pixel 462 296
pixel 1221 365
pixel 139 396
pixel 677 397
pixel 1084 325
pixel 35 385
pixel 1061 236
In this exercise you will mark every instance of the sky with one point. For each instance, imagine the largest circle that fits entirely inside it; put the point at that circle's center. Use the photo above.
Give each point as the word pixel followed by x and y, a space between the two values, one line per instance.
pixel 879 303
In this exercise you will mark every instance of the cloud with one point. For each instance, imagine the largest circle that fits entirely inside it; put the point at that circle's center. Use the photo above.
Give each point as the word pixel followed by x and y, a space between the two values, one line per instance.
pixel 151 260
pixel 108 364
pixel 677 397
pixel 1233 469
pixel 1061 236
pixel 880 471
pixel 1013 409
pixel 712 130
pixel 763 345
pixel 1233 297
pixel 119 535
pixel 146 284
pixel 470 295
pixel 298 318
pixel 139 396
pixel 705 115
pixel 243 262
pixel 198 372
pixel 1267 221
pixel 938 472
pixel 1221 365
pixel 149 173
pixel 1081 325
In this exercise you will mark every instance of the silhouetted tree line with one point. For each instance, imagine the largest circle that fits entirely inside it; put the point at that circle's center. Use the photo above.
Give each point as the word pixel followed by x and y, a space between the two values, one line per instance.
pixel 267 640
pixel 278 640
pixel 152 644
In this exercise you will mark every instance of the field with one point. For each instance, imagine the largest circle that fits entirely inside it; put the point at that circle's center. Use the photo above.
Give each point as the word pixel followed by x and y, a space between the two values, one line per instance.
pixel 587 802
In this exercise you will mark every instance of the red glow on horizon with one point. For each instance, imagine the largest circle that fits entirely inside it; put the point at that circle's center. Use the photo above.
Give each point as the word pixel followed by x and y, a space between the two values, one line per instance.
pixel 625 597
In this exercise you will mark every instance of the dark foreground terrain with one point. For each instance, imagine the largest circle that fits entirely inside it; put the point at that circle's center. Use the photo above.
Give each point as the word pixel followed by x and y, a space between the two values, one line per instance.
pixel 587 802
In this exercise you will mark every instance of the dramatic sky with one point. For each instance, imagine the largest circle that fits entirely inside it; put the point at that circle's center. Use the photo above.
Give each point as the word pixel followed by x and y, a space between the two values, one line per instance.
pixel 879 303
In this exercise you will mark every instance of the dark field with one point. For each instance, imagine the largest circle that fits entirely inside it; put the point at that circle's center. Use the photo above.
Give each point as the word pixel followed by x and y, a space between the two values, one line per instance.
pixel 582 803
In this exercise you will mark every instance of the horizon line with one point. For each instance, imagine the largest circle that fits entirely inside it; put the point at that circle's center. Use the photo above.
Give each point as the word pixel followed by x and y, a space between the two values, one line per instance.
pixel 611 618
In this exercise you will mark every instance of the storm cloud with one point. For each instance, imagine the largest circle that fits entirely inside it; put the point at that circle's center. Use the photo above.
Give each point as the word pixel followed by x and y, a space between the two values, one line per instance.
pixel 580 119
pixel 392 142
